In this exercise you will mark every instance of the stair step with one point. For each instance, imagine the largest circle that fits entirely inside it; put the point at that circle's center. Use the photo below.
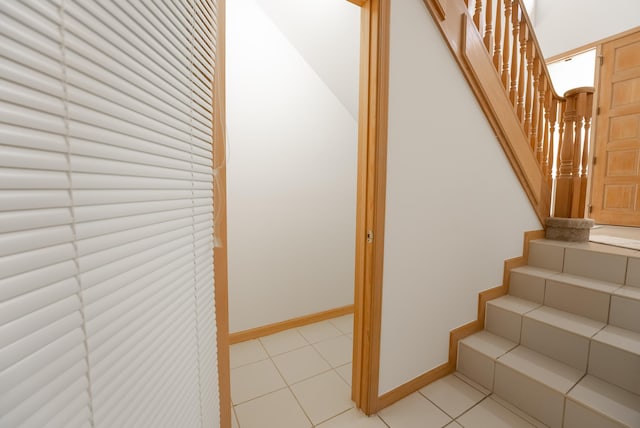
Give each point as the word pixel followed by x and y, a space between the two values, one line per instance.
pixel 478 353
pixel 633 271
pixel 594 403
pixel 559 335
pixel 535 383
pixel 528 282
pixel 625 308
pixel 579 295
pixel 615 357
pixel 546 254
pixel 504 316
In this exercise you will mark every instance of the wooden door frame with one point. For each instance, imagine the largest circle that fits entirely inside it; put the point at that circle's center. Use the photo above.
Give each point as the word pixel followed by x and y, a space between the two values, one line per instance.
pixel 371 192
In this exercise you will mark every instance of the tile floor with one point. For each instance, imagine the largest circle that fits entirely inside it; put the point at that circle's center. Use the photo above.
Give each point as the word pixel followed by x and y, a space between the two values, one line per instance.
pixel 300 378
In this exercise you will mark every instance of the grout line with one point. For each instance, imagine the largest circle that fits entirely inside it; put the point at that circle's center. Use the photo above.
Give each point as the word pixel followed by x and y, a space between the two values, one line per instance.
pixel 438 407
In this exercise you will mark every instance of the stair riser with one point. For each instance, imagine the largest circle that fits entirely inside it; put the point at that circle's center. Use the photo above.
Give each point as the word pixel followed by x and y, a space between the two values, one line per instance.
pixel 615 366
pixel 555 343
pixel 633 272
pixel 546 256
pixel 535 399
pixel 590 264
pixel 577 300
pixel 528 287
pixel 625 313
pixel 579 416
pixel 476 366
pixel 504 323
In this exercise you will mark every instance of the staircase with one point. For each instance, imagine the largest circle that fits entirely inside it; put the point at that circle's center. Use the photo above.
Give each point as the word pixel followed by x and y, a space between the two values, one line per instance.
pixel 564 344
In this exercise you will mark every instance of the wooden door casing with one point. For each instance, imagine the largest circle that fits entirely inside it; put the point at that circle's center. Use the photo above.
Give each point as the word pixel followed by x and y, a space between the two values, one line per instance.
pixel 615 195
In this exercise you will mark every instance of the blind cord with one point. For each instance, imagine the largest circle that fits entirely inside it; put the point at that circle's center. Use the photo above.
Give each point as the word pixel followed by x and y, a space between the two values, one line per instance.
pixel 67 138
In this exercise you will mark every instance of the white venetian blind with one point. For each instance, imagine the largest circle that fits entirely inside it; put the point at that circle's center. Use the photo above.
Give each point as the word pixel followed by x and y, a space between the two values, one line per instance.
pixel 106 250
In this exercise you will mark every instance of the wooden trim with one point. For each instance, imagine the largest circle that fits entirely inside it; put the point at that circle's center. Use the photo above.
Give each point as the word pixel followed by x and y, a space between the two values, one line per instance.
pixel 254 333
pixel 221 287
pixel 372 173
pixel 412 386
pixel 593 45
pixel 358 2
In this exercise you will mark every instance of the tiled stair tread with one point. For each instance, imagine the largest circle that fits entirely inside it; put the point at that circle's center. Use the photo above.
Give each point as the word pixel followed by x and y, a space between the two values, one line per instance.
pixel 583 282
pixel 514 304
pixel 545 370
pixel 619 338
pixel 629 292
pixel 607 399
pixel 590 246
pixel 535 271
pixel 576 324
pixel 488 344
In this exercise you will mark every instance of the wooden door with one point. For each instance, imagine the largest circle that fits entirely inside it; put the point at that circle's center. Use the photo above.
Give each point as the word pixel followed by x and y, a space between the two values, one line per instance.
pixel 616 172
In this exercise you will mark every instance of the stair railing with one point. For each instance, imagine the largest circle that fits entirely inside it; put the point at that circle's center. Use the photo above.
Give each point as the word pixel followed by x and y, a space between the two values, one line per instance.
pixel 556 127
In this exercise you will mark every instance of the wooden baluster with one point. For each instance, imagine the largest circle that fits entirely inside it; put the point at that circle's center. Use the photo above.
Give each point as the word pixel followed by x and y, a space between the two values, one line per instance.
pixel 535 106
pixel 564 185
pixel 580 100
pixel 522 78
pixel 586 146
pixel 538 112
pixel 488 27
pixel 529 96
pixel 506 46
pixel 497 35
pixel 477 16
pixel 513 90
pixel 549 129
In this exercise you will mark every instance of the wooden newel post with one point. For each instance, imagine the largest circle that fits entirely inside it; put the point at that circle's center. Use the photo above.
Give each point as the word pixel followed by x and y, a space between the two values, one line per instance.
pixel 573 153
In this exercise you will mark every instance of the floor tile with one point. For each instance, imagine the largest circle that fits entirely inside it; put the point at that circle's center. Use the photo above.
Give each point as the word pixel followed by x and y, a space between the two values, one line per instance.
pixel 319 331
pixel 468 381
pixel 284 341
pixel 345 372
pixel 454 424
pixel 517 411
pixel 323 397
pixel 353 419
pixel 414 411
pixel 247 352
pixel 452 395
pixel 300 364
pixel 254 380
pixel 344 323
pixel 278 409
pixel 490 414
pixel 234 420
pixel 337 351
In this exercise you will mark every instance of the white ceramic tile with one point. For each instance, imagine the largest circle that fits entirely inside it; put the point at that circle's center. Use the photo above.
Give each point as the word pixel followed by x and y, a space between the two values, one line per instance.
pixel 527 282
pixel 278 409
pixel 535 384
pixel 247 352
pixel 319 331
pixel 615 365
pixel 504 316
pixel 345 372
pixel 625 312
pixel 546 254
pixel 254 380
pixel 337 351
pixel 234 420
pixel 353 419
pixel 593 397
pixel 468 381
pixel 452 395
pixel 579 416
pixel 633 272
pixel 323 396
pixel 300 364
pixel 284 341
pixel 597 265
pixel 556 343
pixel 516 411
pixel 343 323
pixel 476 366
pixel 490 414
pixel 414 411
pixel 577 300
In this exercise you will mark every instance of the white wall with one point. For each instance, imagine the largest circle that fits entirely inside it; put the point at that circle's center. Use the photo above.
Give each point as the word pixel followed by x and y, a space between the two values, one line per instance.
pixel 564 25
pixel 291 177
pixel 455 209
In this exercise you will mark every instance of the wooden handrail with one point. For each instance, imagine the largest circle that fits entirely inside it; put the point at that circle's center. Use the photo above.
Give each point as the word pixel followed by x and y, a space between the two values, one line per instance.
pixel 554 128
